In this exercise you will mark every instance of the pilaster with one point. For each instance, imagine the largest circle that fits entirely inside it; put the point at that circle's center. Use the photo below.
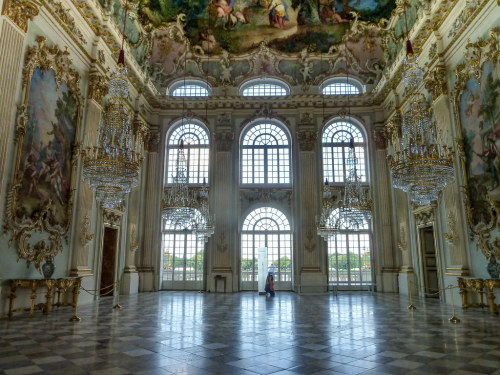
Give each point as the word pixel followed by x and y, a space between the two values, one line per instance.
pixel 222 257
pixel 13 28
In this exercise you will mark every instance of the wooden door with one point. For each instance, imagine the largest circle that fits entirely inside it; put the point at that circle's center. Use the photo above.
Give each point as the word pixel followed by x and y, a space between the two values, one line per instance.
pixel 109 245
pixel 429 262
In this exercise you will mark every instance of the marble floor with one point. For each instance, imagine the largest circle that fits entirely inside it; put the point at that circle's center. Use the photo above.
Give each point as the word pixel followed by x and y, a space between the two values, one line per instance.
pixel 243 333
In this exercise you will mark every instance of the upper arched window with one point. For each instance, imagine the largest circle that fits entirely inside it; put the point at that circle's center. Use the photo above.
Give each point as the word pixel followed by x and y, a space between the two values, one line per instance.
pixel 265 87
pixel 196 145
pixel 265 155
pixel 190 88
pixel 342 86
pixel 335 142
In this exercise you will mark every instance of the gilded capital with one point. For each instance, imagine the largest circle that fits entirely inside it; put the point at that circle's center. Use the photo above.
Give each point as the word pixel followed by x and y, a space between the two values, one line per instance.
pixel 152 144
pixel 20 12
pixel 98 88
pixel 392 129
pixel 141 132
pixel 436 83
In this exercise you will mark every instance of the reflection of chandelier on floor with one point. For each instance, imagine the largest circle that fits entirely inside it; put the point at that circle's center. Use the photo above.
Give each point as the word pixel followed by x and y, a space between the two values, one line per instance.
pixel 420 165
pixel 112 167
pixel 357 205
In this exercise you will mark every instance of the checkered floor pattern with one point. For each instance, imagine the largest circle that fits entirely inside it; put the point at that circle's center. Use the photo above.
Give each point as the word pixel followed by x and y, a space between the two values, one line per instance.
pixel 243 333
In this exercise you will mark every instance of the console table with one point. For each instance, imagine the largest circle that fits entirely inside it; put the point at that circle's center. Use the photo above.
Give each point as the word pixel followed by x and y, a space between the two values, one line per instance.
pixel 478 285
pixel 51 285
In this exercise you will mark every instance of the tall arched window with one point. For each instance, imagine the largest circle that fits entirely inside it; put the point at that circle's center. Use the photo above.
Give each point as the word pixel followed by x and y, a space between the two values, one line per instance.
pixel 349 252
pixel 265 155
pixel 266 227
pixel 349 255
pixel 196 149
pixel 183 257
pixel 335 142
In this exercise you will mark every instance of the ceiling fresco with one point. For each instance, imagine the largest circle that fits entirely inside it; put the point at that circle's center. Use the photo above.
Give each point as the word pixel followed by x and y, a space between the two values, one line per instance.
pixel 227 41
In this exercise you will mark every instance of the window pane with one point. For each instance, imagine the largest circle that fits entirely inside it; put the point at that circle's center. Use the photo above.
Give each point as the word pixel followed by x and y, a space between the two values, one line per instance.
pixel 265 89
pixel 265 155
pixel 190 90
pixel 196 150
pixel 340 88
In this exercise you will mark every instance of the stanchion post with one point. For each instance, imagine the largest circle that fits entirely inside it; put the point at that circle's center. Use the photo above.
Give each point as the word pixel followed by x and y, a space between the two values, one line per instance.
pixel 411 306
pixel 453 319
pixel 117 305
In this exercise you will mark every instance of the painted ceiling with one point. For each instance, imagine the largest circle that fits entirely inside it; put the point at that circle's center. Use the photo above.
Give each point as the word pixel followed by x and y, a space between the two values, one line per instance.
pixel 228 40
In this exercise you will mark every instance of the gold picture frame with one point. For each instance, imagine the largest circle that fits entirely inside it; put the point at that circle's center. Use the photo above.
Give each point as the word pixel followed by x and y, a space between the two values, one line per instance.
pixel 39 202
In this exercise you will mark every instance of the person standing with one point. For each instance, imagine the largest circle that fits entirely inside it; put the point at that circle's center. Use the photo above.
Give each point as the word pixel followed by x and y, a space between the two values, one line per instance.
pixel 269 286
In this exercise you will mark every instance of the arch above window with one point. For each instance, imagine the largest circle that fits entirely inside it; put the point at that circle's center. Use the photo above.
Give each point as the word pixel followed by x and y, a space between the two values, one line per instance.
pixel 265 87
pixel 266 219
pixel 342 86
pixel 189 88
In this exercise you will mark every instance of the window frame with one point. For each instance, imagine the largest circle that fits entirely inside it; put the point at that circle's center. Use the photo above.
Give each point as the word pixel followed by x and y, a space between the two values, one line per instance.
pixel 343 79
pixel 187 148
pixel 263 81
pixel 344 147
pixel 265 156
pixel 194 82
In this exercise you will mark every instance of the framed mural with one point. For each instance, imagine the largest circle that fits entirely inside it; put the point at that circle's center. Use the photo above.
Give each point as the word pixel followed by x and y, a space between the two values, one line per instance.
pixel 477 109
pixel 39 203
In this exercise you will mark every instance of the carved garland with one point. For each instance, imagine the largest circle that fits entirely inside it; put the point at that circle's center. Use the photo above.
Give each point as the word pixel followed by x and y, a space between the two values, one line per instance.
pixel 41 221
pixel 475 56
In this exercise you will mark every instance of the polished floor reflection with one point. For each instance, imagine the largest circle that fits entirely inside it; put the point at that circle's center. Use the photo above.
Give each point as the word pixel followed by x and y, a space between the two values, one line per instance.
pixel 243 333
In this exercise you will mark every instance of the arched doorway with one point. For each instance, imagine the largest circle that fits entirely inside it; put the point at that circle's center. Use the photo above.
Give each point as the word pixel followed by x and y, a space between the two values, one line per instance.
pixel 266 227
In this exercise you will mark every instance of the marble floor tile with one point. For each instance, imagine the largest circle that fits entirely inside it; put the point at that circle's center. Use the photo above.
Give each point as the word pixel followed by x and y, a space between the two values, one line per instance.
pixel 245 334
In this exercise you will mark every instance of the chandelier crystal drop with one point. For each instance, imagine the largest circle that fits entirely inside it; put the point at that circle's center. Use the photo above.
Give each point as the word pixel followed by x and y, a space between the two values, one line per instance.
pixel 420 165
pixel 357 205
pixel 112 167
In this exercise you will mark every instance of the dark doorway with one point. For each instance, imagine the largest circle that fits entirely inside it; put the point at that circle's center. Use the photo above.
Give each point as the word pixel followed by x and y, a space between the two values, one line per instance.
pixel 109 244
pixel 429 262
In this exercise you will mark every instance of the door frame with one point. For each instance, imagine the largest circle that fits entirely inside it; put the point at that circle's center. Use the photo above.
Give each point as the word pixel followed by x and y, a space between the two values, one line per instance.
pixel 420 258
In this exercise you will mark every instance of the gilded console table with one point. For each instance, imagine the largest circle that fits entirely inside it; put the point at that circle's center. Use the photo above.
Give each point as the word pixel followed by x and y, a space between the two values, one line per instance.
pixel 491 284
pixel 51 285
pixel 475 285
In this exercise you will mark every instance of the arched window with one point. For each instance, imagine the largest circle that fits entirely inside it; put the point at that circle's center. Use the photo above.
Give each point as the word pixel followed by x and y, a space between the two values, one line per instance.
pixel 266 227
pixel 349 255
pixel 265 155
pixel 335 143
pixel 189 88
pixel 183 257
pixel 196 150
pixel 342 86
pixel 267 87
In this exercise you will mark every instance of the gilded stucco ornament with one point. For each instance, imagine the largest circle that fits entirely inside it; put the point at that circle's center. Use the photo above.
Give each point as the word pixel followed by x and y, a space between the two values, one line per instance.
pixel 310 243
pixel 85 235
pixel 112 218
pixel 21 11
pixel 402 244
pixel 436 83
pixel 452 235
pixel 380 137
pixel 476 55
pixel 98 88
pixel 40 223
pixel 66 19
pixel 222 243
pixel 133 244
pixel 307 139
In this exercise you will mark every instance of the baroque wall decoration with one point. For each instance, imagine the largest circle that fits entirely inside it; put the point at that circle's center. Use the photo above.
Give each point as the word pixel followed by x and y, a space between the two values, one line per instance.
pixel 476 101
pixel 47 127
pixel 21 11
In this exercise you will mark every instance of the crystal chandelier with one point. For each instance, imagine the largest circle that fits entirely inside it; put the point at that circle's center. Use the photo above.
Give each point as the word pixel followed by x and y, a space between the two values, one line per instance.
pixel 179 202
pixel 420 165
pixel 204 223
pixel 357 205
pixel 112 167
pixel 328 224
